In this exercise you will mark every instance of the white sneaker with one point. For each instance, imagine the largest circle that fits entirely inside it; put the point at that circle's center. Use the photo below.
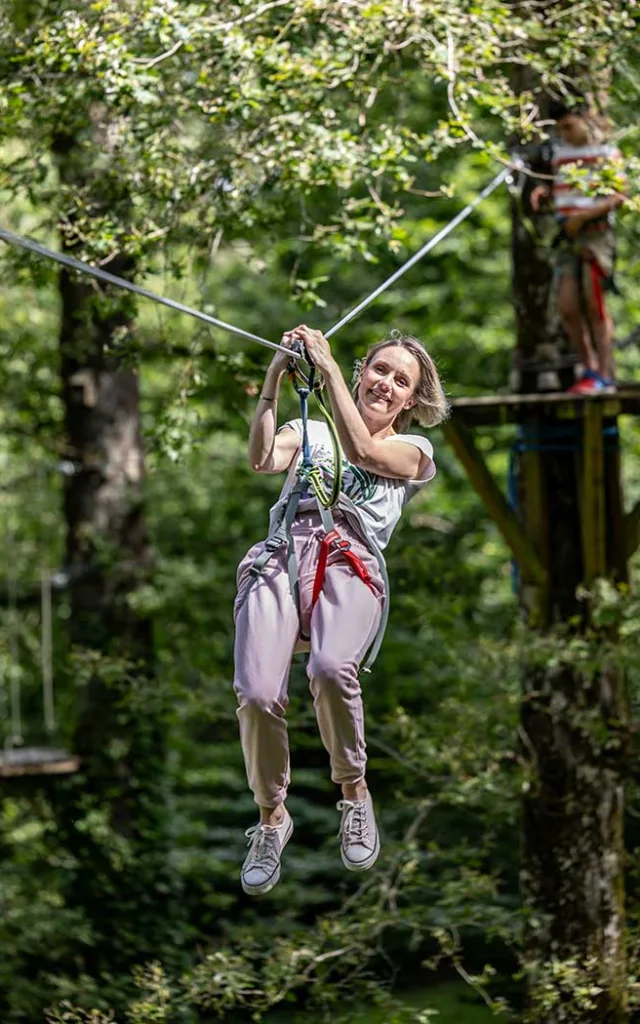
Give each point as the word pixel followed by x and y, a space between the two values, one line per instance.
pixel 359 837
pixel 261 869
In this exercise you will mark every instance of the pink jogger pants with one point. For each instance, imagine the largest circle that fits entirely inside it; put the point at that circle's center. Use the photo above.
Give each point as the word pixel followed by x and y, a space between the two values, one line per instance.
pixel 341 628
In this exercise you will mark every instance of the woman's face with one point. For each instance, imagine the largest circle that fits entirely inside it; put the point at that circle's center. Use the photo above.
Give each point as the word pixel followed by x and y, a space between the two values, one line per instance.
pixel 573 130
pixel 388 384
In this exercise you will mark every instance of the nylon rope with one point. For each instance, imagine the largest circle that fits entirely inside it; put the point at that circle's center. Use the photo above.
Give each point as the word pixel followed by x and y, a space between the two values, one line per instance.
pixel 46 652
pixel 431 244
pixel 103 275
pixel 15 739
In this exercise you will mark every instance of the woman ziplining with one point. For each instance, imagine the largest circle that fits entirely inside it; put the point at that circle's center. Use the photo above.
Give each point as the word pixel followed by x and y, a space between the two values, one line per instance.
pixel 319 577
pixel 369 506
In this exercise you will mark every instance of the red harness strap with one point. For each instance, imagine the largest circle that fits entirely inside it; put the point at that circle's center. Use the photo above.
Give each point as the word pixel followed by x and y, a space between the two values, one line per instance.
pixel 597 275
pixel 332 541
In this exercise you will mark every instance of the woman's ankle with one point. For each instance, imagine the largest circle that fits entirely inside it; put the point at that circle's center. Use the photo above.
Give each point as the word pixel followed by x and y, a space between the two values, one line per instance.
pixel 354 790
pixel 271 815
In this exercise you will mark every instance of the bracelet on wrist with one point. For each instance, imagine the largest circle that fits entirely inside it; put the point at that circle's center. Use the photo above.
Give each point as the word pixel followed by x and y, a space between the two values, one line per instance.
pixel 265 398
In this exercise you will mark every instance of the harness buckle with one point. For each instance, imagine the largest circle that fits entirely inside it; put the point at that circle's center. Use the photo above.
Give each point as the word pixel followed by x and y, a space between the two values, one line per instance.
pixel 276 541
pixel 337 543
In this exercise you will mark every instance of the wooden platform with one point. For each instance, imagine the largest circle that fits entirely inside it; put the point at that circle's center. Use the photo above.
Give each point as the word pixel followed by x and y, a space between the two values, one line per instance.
pixel 493 410
pixel 609 535
pixel 19 761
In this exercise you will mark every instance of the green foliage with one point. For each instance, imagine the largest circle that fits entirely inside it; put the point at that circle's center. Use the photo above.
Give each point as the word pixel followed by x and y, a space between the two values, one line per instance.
pixel 294 117
pixel 277 158
pixel 566 989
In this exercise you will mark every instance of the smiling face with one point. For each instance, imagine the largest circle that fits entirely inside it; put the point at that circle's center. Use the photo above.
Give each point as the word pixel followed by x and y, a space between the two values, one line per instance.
pixel 387 386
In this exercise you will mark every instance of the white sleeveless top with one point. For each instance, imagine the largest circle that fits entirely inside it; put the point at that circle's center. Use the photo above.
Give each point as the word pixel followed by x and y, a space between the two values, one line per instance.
pixel 374 502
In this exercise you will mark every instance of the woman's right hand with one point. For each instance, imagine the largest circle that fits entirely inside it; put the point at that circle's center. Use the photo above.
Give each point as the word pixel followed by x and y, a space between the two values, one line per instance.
pixel 280 359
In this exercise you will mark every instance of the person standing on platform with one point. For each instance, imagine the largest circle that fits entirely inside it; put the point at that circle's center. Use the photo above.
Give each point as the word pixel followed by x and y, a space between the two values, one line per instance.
pixel 585 244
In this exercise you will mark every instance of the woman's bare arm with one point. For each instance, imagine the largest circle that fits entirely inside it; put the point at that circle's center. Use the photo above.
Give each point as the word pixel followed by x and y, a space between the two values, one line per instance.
pixel 269 451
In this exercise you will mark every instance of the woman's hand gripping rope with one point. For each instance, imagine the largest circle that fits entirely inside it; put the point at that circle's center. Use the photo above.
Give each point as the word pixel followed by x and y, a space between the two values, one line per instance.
pixel 281 360
pixel 315 348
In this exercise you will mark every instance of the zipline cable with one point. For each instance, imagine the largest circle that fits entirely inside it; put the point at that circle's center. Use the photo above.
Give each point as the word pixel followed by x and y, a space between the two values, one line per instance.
pixel 102 275
pixel 499 178
pixel 120 282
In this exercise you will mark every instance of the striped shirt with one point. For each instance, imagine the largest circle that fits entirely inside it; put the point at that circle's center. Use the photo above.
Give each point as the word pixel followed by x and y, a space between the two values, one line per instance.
pixel 567 198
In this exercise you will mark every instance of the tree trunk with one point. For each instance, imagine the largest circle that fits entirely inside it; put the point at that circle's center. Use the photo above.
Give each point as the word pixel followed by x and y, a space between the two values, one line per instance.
pixel 114 814
pixel 572 715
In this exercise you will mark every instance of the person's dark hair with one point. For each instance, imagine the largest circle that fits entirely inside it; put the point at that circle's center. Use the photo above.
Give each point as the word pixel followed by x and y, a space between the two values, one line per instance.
pixel 564 108
pixel 431 405
pixel 598 125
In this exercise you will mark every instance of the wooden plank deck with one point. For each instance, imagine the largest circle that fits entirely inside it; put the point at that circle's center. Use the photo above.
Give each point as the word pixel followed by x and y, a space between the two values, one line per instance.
pixel 494 410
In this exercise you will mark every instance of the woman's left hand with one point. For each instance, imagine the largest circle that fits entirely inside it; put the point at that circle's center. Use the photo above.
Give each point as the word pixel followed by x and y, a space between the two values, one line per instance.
pixel 317 346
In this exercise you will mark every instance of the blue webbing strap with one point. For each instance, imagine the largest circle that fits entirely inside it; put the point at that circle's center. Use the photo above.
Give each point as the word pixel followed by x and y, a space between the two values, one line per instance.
pixel 307 462
pixel 556 438
pixel 303 391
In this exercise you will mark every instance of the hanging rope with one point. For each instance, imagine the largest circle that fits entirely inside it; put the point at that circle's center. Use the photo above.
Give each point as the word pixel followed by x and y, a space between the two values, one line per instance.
pixel 46 651
pixel 120 282
pixel 15 738
pixel 431 244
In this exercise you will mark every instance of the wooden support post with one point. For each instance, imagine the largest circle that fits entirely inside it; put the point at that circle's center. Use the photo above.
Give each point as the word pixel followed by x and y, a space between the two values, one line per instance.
pixel 534 506
pixel 632 530
pixel 535 515
pixel 510 527
pixel 594 546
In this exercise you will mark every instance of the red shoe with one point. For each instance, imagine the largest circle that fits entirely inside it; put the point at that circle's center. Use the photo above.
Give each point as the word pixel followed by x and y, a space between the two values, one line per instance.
pixel 589 384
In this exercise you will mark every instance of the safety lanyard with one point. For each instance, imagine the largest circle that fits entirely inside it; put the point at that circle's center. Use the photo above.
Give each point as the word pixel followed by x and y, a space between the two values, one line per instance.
pixel 305 386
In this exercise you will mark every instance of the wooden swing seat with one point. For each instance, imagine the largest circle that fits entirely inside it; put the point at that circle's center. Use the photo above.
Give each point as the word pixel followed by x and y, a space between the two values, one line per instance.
pixel 18 761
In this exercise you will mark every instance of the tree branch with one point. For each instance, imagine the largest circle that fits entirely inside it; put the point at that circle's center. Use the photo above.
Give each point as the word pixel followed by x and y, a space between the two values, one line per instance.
pixel 147 64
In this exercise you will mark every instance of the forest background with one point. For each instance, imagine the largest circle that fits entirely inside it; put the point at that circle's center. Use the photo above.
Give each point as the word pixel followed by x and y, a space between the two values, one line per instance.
pixel 270 164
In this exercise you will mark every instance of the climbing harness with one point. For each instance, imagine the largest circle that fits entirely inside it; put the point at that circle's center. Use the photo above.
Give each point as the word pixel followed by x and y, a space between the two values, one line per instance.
pixel 310 483
pixel 597 275
pixel 583 256
pixel 282 535
pixel 332 541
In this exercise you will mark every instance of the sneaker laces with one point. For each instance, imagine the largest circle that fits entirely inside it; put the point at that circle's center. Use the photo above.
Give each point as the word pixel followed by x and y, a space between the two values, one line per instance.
pixel 354 827
pixel 264 846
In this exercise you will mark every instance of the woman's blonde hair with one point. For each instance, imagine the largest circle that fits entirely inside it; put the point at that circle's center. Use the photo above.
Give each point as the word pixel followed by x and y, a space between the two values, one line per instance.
pixel 431 405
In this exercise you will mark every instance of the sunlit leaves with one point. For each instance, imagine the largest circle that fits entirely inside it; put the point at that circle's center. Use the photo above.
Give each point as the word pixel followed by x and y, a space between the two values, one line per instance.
pixel 226 112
